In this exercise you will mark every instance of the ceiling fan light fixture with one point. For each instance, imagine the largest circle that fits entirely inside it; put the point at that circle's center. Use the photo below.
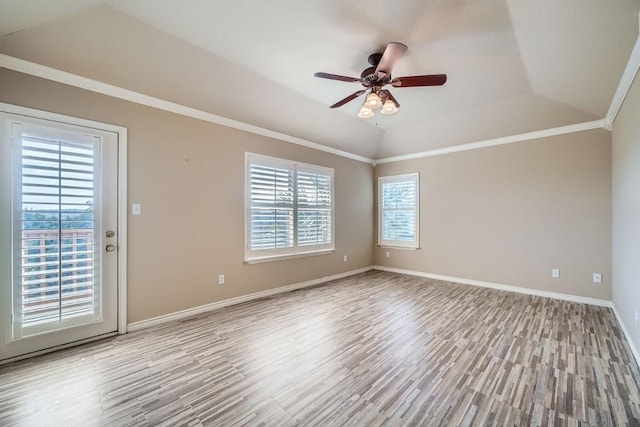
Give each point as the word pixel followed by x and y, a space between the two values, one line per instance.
pixel 389 108
pixel 365 112
pixel 373 101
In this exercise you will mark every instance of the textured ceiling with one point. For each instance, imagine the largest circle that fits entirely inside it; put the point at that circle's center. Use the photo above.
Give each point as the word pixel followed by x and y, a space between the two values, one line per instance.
pixel 513 66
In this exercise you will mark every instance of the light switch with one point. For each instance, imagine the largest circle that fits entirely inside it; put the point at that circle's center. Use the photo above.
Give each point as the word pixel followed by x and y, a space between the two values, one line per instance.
pixel 136 209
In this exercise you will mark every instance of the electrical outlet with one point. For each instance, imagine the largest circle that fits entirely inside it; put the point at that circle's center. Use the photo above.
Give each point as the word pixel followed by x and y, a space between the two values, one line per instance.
pixel 345 258
pixel 597 278
pixel 221 279
pixel 388 254
pixel 136 209
pixel 555 272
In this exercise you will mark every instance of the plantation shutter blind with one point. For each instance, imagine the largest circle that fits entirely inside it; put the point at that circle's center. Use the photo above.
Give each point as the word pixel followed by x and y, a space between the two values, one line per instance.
pixel 289 207
pixel 57 207
pixel 399 211
pixel 314 207
pixel 272 205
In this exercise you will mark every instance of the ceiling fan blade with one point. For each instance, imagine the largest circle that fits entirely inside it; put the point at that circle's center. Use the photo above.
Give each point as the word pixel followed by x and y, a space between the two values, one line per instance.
pixel 393 51
pixel 337 77
pixel 427 80
pixel 348 98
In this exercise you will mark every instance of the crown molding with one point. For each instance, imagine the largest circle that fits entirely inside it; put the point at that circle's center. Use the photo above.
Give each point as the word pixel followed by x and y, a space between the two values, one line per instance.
pixel 59 76
pixel 53 74
pixel 628 76
pixel 579 127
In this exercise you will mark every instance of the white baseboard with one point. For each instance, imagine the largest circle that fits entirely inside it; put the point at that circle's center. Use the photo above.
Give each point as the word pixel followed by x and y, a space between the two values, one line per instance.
pixel 178 315
pixel 508 288
pixel 625 331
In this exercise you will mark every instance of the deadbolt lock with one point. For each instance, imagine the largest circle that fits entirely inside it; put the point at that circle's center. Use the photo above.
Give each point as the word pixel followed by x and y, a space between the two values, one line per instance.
pixel 111 233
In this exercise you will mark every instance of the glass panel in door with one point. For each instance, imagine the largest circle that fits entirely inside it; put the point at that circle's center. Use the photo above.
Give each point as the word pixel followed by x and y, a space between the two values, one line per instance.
pixel 59 277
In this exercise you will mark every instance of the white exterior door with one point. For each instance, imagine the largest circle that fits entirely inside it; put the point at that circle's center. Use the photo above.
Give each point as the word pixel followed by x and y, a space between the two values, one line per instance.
pixel 60 234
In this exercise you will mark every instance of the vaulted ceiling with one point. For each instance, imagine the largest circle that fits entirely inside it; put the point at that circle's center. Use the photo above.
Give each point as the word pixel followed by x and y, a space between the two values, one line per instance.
pixel 513 66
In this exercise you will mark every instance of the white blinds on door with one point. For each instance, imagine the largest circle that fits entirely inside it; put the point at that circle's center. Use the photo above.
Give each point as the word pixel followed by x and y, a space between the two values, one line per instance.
pixel 58 207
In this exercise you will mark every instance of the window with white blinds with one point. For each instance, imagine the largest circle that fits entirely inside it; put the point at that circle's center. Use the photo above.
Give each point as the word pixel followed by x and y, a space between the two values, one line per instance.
pixel 289 208
pixel 398 211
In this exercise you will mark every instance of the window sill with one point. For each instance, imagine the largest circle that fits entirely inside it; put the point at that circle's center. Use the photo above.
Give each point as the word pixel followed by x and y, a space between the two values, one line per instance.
pixel 260 260
pixel 402 248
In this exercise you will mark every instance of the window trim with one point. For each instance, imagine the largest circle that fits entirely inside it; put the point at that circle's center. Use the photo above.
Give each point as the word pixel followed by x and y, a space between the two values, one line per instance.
pixel 400 244
pixel 269 255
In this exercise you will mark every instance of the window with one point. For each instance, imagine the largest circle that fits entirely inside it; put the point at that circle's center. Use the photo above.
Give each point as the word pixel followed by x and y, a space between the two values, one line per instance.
pixel 398 208
pixel 289 209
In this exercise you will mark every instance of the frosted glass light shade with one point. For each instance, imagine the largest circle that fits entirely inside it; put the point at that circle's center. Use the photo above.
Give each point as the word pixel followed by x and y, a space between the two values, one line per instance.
pixel 365 113
pixel 373 101
pixel 389 108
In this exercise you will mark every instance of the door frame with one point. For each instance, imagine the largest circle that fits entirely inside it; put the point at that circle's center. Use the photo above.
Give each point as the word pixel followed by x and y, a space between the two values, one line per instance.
pixel 121 132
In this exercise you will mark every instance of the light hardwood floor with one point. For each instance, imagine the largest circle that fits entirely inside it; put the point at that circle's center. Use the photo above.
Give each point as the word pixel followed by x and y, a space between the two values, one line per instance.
pixel 373 349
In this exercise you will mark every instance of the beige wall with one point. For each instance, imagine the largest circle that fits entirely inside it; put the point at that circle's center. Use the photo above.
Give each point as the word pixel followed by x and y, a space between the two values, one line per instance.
pixel 509 214
pixel 188 175
pixel 626 212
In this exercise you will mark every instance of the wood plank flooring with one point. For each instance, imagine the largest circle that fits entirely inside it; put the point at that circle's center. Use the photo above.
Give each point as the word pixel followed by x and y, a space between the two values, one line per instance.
pixel 373 349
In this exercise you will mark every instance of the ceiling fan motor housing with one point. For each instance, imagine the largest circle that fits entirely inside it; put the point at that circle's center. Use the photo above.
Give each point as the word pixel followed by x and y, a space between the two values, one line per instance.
pixel 368 74
pixel 374 59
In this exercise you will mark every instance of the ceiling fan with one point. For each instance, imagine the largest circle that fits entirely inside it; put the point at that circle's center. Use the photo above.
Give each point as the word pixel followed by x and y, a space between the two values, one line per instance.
pixel 377 76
